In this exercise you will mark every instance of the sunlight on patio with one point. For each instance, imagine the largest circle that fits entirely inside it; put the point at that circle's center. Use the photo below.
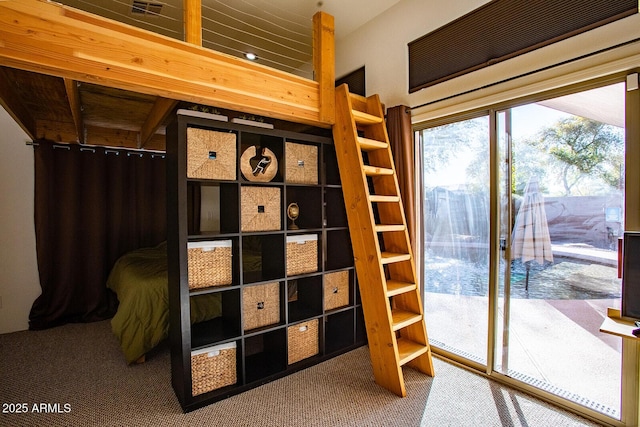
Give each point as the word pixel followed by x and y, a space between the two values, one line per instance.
pixel 563 307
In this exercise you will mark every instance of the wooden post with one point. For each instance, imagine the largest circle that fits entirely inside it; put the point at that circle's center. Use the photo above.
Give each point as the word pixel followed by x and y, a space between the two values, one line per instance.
pixel 324 58
pixel 193 21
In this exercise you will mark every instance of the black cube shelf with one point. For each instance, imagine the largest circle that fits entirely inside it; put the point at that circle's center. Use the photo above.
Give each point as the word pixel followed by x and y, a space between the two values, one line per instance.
pixel 209 320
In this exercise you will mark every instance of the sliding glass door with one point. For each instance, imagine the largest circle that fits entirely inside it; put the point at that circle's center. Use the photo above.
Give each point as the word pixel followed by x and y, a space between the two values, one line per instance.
pixel 559 193
pixel 456 236
pixel 562 198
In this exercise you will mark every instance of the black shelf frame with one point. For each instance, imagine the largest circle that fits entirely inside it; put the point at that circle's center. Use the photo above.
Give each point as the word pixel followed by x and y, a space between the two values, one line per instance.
pixel 261 353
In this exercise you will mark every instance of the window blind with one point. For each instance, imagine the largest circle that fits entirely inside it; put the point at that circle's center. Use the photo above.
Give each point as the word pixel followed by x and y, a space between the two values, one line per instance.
pixel 355 80
pixel 502 29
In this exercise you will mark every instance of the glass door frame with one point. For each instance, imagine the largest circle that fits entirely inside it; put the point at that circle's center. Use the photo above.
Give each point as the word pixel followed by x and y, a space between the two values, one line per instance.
pixel 630 387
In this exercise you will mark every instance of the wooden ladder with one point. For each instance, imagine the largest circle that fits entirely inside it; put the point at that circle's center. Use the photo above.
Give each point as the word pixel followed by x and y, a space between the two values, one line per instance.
pixel 391 302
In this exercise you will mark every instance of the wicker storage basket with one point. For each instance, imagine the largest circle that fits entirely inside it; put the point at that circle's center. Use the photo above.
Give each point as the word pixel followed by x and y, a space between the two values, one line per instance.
pixel 302 254
pixel 261 305
pixel 260 208
pixel 336 290
pixel 301 163
pixel 211 154
pixel 209 263
pixel 213 368
pixel 302 340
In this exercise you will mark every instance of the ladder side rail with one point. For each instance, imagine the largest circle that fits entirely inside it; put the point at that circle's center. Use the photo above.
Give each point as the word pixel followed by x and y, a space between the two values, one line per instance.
pixel 391 302
pixel 370 272
pixel 389 214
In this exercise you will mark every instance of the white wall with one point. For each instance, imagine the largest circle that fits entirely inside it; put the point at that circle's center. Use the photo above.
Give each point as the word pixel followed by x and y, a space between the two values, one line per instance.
pixel 381 44
pixel 19 283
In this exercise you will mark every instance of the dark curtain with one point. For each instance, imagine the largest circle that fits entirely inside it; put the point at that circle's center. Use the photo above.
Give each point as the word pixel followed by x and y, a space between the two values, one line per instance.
pixel 91 206
pixel 401 140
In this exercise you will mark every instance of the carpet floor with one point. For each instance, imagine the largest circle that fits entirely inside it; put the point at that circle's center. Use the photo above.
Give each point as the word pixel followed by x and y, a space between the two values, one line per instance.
pixel 75 375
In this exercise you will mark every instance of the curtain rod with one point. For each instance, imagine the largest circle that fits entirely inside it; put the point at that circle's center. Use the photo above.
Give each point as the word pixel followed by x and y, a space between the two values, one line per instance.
pixel 107 150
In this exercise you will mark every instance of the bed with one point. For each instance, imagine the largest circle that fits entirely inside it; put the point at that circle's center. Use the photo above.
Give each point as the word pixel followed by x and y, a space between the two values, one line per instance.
pixel 139 279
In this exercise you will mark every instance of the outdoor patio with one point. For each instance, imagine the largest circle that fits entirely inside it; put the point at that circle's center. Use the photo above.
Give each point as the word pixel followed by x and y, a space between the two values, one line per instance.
pixel 553 340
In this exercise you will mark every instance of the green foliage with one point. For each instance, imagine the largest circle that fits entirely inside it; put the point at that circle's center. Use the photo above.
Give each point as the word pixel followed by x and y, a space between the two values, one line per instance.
pixel 582 155
pixel 447 143
pixel 584 148
pixel 529 163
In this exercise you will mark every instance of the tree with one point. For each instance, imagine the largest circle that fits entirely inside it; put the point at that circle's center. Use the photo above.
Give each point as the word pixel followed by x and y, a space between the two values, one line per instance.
pixel 529 163
pixel 463 146
pixel 584 148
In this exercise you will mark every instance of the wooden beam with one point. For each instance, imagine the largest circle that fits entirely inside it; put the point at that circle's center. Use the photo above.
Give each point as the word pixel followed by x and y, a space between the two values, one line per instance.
pixel 56 131
pixel 98 135
pixel 49 38
pixel 73 95
pixel 109 137
pixel 193 21
pixel 159 113
pixel 324 58
pixel 16 109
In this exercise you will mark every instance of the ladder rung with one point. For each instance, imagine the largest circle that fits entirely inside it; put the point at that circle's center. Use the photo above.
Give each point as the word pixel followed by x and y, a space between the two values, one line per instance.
pixel 402 318
pixel 374 170
pixel 409 350
pixel 367 144
pixel 362 118
pixel 387 199
pixel 381 228
pixel 390 257
pixel 396 287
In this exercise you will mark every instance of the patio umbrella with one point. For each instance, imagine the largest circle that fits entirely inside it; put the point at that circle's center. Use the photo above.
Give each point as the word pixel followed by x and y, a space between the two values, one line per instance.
pixel 530 238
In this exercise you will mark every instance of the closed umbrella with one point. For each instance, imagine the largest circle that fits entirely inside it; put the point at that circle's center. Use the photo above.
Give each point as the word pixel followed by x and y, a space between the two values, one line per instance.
pixel 530 239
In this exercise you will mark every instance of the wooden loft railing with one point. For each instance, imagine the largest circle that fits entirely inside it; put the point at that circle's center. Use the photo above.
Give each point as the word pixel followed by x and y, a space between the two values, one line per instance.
pixel 53 39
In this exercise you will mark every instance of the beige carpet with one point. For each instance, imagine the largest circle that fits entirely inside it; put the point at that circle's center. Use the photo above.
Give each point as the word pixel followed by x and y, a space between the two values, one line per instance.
pixel 78 372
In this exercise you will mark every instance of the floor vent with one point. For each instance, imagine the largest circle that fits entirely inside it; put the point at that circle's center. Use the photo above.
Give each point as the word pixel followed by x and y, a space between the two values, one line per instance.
pixel 146 8
pixel 450 349
pixel 603 409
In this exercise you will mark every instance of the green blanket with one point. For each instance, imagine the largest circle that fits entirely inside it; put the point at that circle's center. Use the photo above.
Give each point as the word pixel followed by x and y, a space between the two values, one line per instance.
pixel 139 279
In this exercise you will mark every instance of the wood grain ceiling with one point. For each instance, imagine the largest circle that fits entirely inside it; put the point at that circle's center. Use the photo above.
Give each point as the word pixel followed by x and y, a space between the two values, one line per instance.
pixel 68 111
